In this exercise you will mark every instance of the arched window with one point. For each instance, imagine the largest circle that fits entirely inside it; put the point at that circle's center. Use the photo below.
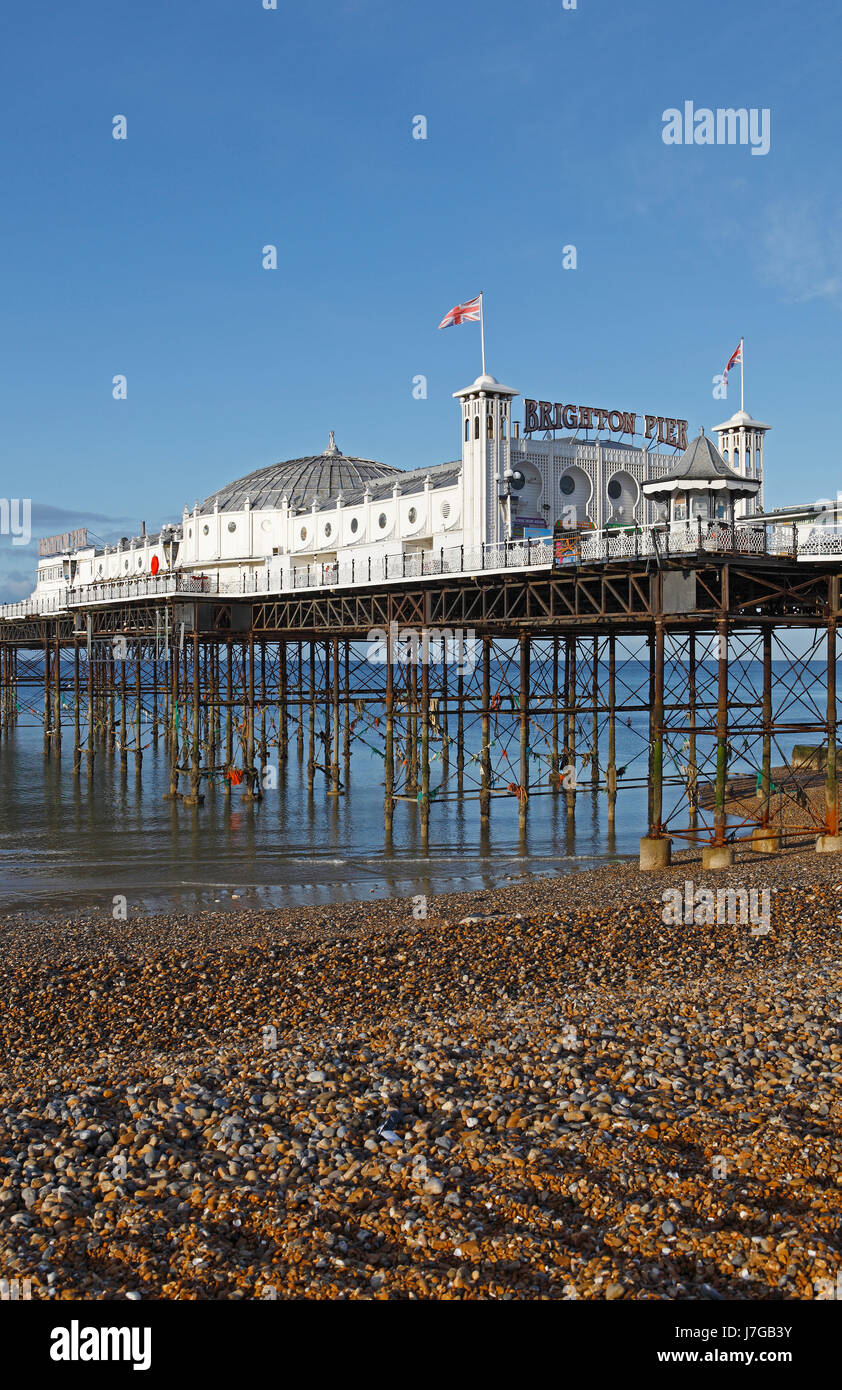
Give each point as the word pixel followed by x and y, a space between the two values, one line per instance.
pixel 503 427
pixel 489 426
pixel 476 427
pixel 467 429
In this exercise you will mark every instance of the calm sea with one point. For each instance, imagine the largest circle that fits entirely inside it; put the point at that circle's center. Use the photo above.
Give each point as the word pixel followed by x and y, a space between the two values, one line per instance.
pixel 67 844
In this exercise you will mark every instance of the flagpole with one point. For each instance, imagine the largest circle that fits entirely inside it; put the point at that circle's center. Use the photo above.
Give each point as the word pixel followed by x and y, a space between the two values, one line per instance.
pixel 742 375
pixel 482 332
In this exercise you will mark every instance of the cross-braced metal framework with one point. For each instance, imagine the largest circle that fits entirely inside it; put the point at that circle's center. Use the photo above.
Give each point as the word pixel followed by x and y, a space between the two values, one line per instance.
pixel 711 685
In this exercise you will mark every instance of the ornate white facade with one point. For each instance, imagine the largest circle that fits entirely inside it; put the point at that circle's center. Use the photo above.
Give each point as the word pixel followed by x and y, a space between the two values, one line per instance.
pixel 333 507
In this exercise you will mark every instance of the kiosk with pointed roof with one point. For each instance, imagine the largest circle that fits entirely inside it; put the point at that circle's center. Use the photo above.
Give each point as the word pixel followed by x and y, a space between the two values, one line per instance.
pixel 701 487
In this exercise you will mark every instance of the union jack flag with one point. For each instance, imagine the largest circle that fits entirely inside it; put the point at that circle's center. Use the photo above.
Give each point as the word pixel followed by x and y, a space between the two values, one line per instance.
pixel 463 313
pixel 736 356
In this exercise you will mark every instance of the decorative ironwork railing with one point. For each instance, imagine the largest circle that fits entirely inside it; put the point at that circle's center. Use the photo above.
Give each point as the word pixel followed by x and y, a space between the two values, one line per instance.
pixel 690 538
pixel 457 559
pixel 753 537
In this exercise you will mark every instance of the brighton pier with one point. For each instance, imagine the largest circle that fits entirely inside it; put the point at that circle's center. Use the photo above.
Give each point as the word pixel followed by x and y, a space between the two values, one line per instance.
pixel 244 636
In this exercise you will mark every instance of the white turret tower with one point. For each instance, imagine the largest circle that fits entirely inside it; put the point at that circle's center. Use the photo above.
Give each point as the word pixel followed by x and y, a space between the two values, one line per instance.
pixel 740 442
pixel 486 431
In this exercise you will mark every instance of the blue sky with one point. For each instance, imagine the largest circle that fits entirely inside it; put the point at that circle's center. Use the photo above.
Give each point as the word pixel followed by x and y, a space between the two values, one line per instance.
pixel 293 127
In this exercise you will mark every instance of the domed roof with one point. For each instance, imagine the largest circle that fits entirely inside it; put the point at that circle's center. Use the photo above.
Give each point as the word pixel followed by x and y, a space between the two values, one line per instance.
pixel 302 481
pixel 742 417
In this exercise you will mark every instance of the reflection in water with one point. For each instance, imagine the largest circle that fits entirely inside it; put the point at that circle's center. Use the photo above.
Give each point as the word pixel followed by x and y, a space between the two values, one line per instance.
pixel 65 844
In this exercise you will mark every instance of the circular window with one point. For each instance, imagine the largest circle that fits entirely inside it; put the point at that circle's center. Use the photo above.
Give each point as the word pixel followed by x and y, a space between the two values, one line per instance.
pixel 567 485
pixel 354 526
pixel 412 515
pixel 266 524
pixel 381 521
pixel 614 490
pixel 328 528
pixel 445 510
pixel 205 530
pixel 232 526
pixel 518 480
pixel 304 533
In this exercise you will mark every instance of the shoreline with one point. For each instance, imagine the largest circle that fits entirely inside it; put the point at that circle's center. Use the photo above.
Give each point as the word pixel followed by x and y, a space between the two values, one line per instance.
pixel 793 864
pixel 537 1091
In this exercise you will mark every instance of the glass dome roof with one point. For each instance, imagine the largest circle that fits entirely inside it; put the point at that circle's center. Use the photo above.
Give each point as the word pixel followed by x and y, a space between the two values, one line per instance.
pixel 302 481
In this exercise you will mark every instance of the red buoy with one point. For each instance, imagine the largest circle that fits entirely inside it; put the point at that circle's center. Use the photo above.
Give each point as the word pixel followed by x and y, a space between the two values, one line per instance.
pixel 154 565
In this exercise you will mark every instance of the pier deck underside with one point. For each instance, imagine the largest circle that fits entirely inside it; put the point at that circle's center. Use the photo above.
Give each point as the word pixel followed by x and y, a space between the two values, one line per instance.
pixel 706 685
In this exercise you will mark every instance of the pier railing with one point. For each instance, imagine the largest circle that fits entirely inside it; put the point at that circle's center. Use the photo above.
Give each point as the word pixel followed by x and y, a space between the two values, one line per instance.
pixel 692 538
pixel 751 537
pixel 456 559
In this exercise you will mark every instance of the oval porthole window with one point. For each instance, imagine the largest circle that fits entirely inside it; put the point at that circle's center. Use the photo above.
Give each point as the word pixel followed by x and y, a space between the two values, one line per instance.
pixel 126 565
pixel 304 533
pixel 412 515
pixel 189 533
pixel 445 510
pixel 354 526
pixel 381 521
pixel 614 490
pixel 232 526
pixel 266 524
pixel 328 528
pixel 99 569
pixel 567 485
pixel 140 562
pixel 206 530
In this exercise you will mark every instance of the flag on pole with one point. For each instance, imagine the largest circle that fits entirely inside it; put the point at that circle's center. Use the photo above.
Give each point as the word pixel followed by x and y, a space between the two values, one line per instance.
pixel 736 356
pixel 463 313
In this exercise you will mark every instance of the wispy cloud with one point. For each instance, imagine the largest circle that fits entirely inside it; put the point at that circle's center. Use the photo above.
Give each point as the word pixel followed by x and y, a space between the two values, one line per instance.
pixel 44 514
pixel 801 249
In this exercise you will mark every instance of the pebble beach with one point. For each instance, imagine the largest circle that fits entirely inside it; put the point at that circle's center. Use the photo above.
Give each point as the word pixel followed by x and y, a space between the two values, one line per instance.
pixel 540 1091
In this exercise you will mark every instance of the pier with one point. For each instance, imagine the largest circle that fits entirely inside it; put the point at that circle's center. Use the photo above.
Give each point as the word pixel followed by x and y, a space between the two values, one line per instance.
pixel 506 682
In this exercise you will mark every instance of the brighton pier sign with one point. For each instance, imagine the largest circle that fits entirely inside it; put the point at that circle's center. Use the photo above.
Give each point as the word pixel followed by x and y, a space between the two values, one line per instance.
pixel 59 545
pixel 553 415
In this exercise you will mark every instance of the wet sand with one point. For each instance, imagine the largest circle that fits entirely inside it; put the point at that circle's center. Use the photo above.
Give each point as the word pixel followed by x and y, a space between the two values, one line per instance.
pixel 539 1091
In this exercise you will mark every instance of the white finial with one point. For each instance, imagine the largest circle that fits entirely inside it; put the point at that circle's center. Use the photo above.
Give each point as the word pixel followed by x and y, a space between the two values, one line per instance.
pixel 331 448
